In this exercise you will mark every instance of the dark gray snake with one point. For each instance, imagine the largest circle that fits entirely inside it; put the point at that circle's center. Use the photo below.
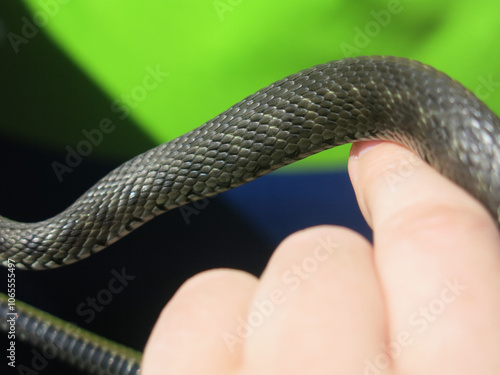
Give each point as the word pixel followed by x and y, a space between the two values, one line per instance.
pixel 318 108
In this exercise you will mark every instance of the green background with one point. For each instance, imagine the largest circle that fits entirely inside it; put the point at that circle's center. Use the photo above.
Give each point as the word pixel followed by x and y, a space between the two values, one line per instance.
pixel 218 52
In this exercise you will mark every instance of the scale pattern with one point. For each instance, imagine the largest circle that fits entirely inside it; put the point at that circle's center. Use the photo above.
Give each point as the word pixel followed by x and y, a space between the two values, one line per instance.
pixel 331 104
pixel 69 343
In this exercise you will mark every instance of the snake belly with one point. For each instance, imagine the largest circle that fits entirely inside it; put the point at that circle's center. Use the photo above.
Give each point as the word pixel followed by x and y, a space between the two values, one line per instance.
pixel 342 101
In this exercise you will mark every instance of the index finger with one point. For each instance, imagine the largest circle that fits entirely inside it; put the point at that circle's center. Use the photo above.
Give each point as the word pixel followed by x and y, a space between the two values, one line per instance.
pixel 437 252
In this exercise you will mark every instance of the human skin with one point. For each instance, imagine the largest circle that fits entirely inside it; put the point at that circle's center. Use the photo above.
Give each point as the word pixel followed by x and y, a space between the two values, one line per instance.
pixel 424 298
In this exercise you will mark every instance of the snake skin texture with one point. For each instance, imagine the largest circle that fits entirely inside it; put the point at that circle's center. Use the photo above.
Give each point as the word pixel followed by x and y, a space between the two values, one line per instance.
pixel 79 348
pixel 318 108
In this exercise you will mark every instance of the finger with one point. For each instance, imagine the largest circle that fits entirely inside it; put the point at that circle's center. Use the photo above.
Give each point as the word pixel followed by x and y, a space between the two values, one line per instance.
pixel 438 256
pixel 191 334
pixel 317 308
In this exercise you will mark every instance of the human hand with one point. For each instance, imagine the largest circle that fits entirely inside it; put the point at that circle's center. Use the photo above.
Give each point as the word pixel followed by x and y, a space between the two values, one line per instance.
pixel 423 299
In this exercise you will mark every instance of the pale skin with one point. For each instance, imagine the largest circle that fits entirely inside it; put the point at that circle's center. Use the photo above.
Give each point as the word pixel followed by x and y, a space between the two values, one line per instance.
pixel 423 299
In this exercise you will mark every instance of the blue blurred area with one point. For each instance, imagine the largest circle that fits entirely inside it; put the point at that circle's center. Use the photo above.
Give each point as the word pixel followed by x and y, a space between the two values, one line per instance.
pixel 280 204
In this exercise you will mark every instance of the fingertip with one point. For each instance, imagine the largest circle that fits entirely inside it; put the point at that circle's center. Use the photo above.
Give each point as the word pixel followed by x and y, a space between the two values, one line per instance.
pixel 196 323
pixel 367 161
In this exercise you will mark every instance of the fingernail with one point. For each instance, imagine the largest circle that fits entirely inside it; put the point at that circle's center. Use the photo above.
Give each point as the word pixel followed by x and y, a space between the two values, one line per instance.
pixel 361 148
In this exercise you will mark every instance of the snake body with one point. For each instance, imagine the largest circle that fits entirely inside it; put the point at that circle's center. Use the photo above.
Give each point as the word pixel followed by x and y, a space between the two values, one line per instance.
pixel 77 347
pixel 328 105
pixel 342 101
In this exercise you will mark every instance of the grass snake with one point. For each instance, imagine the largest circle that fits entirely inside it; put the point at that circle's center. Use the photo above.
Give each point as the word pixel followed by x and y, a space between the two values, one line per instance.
pixel 342 101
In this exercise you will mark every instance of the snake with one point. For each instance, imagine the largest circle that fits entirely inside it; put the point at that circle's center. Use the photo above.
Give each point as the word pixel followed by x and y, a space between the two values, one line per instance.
pixel 343 101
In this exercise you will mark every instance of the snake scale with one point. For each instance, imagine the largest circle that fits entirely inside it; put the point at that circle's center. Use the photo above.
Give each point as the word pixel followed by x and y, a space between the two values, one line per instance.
pixel 342 101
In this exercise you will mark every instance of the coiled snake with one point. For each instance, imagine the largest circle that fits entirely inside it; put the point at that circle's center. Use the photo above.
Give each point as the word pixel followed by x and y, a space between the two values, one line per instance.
pixel 331 104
